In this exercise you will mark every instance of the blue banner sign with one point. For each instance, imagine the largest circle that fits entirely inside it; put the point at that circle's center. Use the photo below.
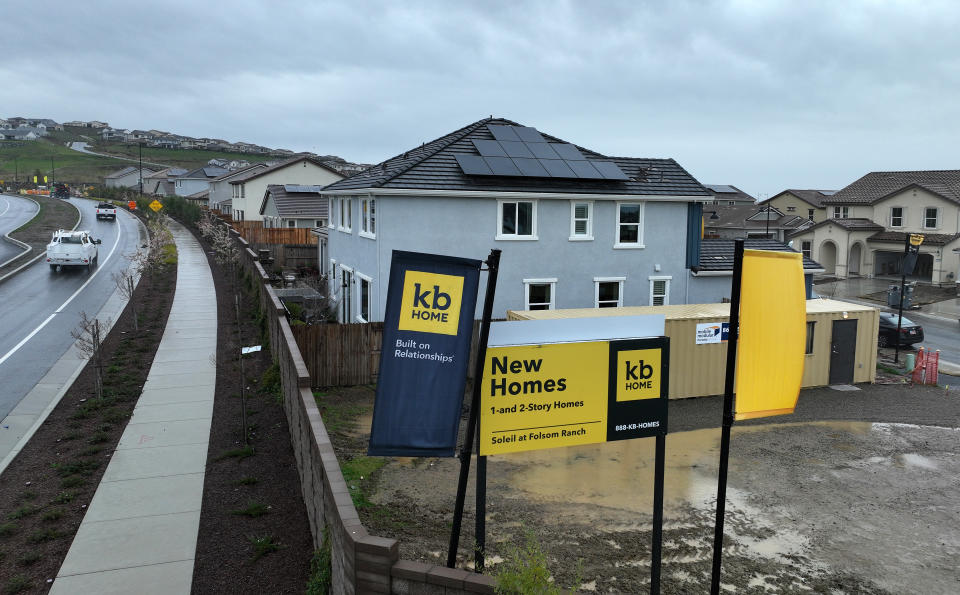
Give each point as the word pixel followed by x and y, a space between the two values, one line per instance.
pixel 427 328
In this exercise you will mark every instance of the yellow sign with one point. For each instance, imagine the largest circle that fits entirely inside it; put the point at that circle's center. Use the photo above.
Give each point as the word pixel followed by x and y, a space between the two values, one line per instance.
pixel 772 341
pixel 156 206
pixel 430 303
pixel 44 179
pixel 567 394
pixel 34 179
pixel 916 239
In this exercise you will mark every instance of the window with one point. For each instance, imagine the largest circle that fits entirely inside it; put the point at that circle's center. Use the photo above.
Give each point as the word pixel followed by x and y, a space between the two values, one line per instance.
pixel 806 248
pixel 291 223
pixel 791 209
pixel 346 214
pixel 368 217
pixel 931 218
pixel 731 202
pixel 629 225
pixel 517 220
pixel 810 214
pixel 810 327
pixel 841 212
pixel 364 315
pixel 581 221
pixel 332 210
pixel 608 292
pixel 346 298
pixel 319 223
pixel 896 216
pixel 243 190
pixel 660 291
pixel 539 294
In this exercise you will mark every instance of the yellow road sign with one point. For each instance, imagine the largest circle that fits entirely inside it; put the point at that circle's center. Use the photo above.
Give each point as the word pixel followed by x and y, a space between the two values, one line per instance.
pixel 156 206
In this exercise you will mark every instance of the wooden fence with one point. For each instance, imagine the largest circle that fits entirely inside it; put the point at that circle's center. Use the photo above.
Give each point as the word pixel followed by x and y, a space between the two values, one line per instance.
pixel 349 354
pixel 255 233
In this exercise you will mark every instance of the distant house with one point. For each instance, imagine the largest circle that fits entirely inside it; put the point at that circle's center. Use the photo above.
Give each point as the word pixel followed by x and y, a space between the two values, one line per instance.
pixel 21 133
pixel 218 162
pixel 247 193
pixel 197 180
pixel 220 189
pixel 47 123
pixel 161 183
pixel 802 203
pixel 128 177
pixel 749 221
pixel 97 124
pixel 869 221
pixel 141 135
pixel 725 194
pixel 199 198
pixel 166 142
pixel 294 206
pixel 76 124
pixel 715 269
pixel 112 135
pixel 5 124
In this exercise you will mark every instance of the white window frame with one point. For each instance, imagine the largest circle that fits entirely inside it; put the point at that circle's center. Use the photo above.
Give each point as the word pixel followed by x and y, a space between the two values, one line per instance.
pixel 346 214
pixel 666 294
pixel 331 209
pixel 344 300
pixel 368 217
pixel 638 245
pixel 294 221
pixel 517 237
pixel 806 248
pixel 584 237
pixel 318 223
pixel 361 278
pixel 551 281
pixel 841 212
pixel 333 277
pixel 902 216
pixel 937 222
pixel 243 190
pixel 596 289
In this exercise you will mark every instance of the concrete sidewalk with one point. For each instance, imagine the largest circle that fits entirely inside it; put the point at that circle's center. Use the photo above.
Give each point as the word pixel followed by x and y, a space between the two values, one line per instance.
pixel 140 532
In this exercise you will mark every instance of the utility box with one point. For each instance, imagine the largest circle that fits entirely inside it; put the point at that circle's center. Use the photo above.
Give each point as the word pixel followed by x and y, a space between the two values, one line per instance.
pixel 893 295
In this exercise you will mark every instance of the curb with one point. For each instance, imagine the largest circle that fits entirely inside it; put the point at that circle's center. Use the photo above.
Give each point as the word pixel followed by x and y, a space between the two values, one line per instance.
pixel 39 256
pixel 112 301
pixel 7 237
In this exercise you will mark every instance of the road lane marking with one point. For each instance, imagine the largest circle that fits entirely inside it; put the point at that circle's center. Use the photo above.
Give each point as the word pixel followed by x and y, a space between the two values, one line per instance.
pixel 6 209
pixel 116 243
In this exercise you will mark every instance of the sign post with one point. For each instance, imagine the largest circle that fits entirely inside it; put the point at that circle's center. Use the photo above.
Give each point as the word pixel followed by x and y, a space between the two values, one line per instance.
pixel 911 252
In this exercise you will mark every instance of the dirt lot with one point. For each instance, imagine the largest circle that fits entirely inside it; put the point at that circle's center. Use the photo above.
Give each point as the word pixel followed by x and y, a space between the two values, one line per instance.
pixel 854 493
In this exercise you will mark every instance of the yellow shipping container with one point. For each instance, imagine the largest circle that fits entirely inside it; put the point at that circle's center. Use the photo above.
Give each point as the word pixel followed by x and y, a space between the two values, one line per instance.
pixel 697 370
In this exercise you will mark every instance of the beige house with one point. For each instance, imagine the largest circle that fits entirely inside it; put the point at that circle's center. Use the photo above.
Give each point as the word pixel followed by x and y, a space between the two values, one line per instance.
pixel 247 193
pixel 801 203
pixel 870 220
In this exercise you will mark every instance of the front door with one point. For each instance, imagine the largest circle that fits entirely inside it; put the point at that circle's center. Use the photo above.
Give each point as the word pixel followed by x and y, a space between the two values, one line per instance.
pixel 843 348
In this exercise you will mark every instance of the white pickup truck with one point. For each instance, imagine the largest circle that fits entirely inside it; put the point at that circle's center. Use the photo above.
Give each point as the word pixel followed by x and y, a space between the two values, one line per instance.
pixel 106 210
pixel 72 249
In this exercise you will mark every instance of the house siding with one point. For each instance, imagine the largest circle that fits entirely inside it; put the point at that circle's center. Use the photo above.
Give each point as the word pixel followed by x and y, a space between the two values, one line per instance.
pixel 295 173
pixel 467 227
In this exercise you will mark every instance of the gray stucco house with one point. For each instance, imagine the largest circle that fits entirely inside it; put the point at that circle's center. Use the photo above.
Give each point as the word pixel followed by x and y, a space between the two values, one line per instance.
pixel 294 205
pixel 576 228
pixel 197 180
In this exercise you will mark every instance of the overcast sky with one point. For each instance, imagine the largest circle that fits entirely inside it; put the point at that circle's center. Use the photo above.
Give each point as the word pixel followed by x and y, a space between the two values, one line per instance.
pixel 759 94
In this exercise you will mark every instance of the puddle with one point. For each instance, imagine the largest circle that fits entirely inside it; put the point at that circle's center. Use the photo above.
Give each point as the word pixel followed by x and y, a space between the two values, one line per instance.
pixel 620 474
pixel 914 460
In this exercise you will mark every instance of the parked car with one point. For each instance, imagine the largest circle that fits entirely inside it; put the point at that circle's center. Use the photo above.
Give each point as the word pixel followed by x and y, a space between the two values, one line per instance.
pixel 72 249
pixel 910 332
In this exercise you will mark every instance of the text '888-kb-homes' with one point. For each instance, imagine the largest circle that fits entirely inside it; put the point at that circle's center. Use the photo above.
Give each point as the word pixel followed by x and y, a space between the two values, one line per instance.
pixel 577 229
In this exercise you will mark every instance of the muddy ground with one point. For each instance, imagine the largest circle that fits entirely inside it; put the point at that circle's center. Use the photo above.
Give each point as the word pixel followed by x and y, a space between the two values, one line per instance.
pixel 854 493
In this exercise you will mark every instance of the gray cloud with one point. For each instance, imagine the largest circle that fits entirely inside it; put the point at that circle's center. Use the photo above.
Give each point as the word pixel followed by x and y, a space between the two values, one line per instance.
pixel 763 95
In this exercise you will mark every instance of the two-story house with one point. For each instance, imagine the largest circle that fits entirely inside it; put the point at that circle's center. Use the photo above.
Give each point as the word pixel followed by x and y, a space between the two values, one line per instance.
pixel 576 228
pixel 247 192
pixel 749 221
pixel 801 203
pixel 221 192
pixel 870 220
pixel 128 177
pixel 196 180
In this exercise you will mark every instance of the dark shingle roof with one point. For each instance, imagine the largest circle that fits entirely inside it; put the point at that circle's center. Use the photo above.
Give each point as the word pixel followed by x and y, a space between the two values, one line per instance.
pixel 856 224
pixel 294 201
pixel 728 192
pixel 717 255
pixel 433 166
pixel 121 172
pixel 281 165
pixel 899 237
pixel 880 184
pixel 207 172
pixel 241 174
pixel 737 217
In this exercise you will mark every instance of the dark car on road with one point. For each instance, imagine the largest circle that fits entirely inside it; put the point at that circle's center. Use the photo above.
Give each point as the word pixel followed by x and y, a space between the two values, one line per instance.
pixel 910 332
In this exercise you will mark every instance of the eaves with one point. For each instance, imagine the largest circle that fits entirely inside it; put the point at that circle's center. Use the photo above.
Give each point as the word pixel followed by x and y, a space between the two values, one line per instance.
pixel 530 195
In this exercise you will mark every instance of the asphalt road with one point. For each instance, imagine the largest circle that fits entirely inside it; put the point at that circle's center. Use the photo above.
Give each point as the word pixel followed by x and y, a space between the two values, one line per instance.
pixel 14 212
pixel 938 333
pixel 41 307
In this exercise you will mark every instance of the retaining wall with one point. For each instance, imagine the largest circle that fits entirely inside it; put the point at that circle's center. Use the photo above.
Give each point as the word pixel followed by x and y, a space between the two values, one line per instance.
pixel 362 563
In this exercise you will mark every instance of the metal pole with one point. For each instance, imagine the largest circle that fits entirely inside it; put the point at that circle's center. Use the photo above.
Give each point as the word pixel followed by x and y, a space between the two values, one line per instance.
pixel 657 546
pixel 480 528
pixel 903 283
pixel 727 414
pixel 140 147
pixel 53 173
pixel 493 266
pixel 766 232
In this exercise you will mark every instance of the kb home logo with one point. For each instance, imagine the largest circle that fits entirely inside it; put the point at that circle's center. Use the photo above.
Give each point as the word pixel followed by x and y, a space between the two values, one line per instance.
pixel 638 374
pixel 431 303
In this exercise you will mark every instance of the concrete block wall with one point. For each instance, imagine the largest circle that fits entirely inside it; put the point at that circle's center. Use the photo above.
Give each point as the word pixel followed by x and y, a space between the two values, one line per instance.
pixel 362 563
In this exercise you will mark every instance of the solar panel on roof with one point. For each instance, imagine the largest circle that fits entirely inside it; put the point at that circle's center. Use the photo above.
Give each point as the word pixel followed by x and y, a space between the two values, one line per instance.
pixel 722 188
pixel 516 149
pixel 568 151
pixel 610 170
pixel 489 148
pixel 543 150
pixel 557 168
pixel 584 169
pixel 500 132
pixel 474 165
pixel 528 134
pixel 531 167
pixel 502 166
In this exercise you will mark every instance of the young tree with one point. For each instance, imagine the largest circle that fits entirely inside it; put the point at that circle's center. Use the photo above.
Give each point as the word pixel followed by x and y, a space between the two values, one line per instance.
pixel 89 336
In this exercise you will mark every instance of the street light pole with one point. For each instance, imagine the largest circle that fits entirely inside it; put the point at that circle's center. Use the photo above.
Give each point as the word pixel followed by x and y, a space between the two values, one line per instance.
pixel 766 232
pixel 53 173
pixel 140 146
